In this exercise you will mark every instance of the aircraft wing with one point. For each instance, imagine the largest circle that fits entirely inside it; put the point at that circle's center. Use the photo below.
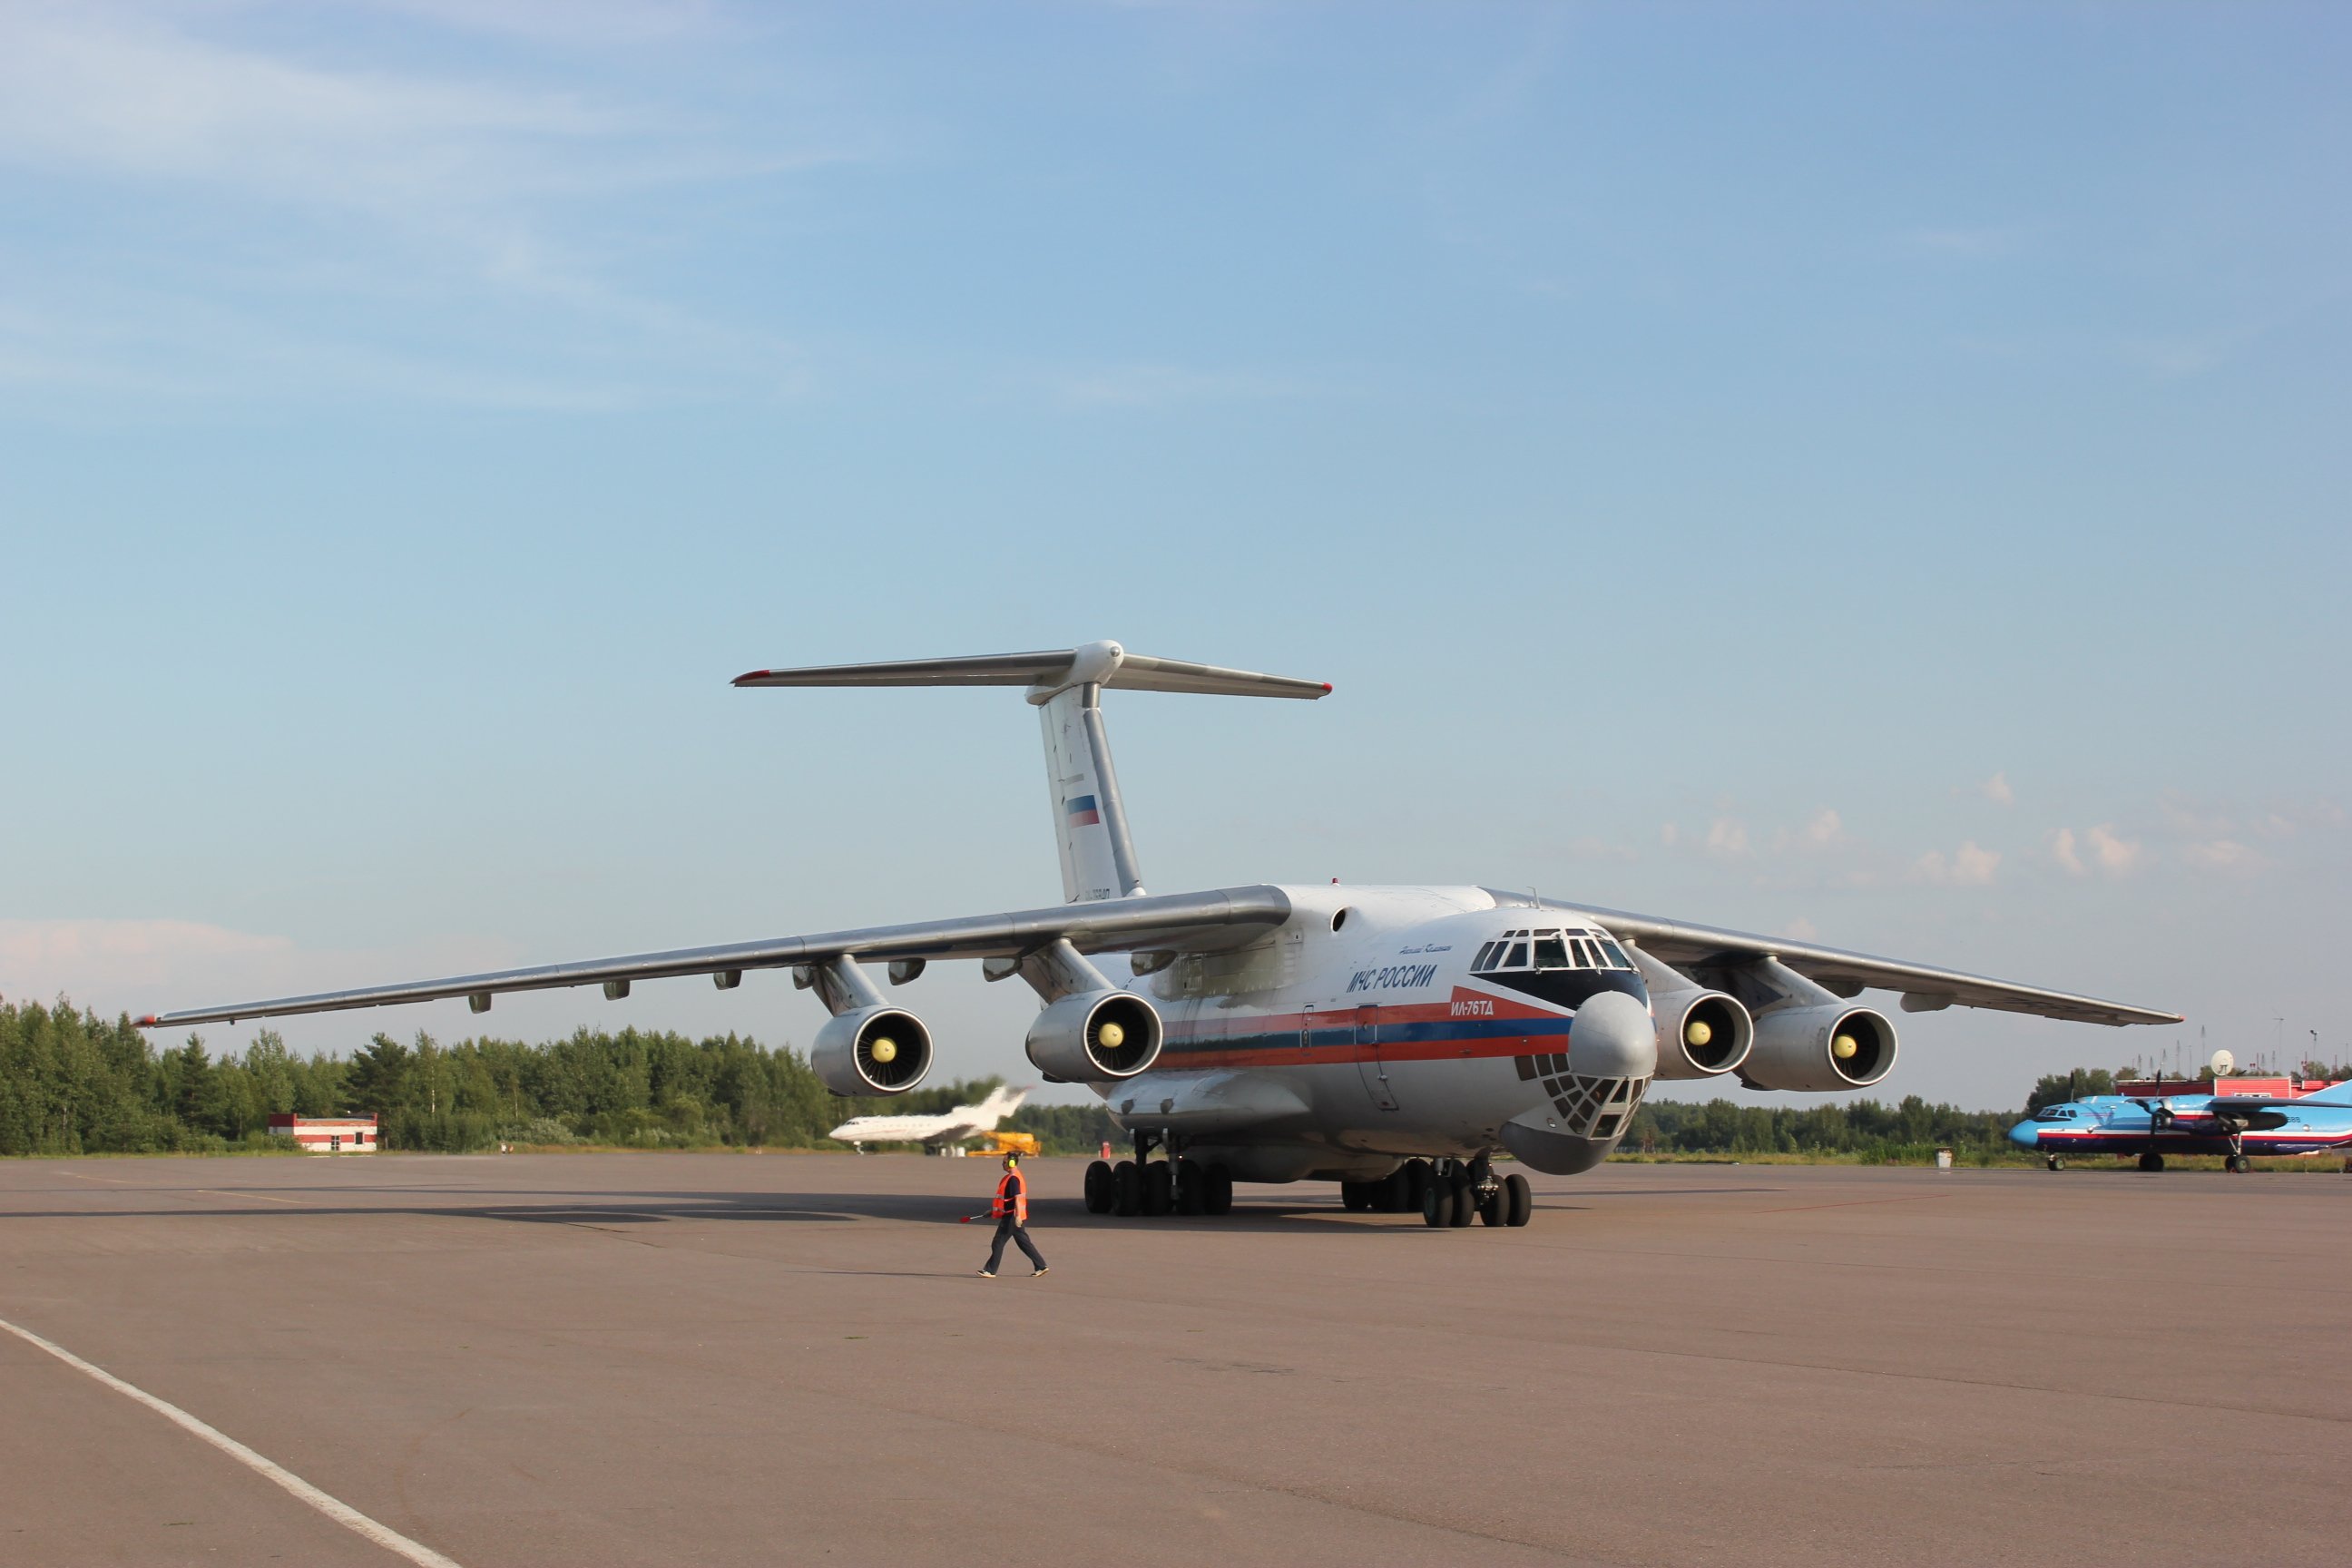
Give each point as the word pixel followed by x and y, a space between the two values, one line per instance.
pixel 1184 921
pixel 1924 988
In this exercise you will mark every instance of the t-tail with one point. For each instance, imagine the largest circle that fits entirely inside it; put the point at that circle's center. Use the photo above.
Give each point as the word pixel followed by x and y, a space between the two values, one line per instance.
pixel 1066 686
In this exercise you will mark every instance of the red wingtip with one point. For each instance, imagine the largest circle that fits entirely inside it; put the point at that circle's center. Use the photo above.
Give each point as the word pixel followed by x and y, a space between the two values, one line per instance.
pixel 748 675
pixel 1327 689
pixel 146 1022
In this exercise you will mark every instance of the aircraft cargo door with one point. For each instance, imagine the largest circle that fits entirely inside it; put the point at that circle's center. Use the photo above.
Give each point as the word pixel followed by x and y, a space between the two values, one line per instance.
pixel 1368 1059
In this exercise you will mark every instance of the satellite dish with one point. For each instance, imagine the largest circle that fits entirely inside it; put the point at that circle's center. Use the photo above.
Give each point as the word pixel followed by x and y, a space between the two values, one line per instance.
pixel 2223 1064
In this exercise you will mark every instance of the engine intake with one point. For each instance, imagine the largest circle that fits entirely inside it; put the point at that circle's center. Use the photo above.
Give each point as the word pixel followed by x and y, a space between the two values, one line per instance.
pixel 872 1050
pixel 1091 1037
pixel 1820 1049
pixel 1702 1033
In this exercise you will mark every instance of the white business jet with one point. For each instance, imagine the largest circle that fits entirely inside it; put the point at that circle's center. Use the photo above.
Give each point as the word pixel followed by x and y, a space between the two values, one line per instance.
pixel 938 1132
pixel 1394 1040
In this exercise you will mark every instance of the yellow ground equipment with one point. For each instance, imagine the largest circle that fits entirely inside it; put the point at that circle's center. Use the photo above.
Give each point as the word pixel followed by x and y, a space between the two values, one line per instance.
pixel 995 1145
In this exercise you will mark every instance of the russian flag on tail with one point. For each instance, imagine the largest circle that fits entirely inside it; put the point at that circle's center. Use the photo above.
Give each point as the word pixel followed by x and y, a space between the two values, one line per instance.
pixel 1081 811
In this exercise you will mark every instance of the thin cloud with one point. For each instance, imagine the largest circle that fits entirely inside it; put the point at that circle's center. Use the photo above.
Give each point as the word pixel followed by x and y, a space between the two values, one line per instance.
pixel 1726 836
pixel 2117 855
pixel 1824 830
pixel 2225 856
pixel 1969 866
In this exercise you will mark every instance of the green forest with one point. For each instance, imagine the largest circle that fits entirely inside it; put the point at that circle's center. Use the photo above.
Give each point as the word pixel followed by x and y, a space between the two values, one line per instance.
pixel 73 1084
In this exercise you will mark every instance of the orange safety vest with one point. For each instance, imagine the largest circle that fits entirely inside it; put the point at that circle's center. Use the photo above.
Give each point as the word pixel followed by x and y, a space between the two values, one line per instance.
pixel 1020 1209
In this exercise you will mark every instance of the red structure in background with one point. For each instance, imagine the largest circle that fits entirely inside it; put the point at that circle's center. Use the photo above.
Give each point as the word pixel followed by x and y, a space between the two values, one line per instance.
pixel 328 1134
pixel 2275 1087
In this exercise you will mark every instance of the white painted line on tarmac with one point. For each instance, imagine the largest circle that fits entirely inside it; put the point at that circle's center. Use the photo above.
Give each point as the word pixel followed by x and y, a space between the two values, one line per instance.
pixel 341 1512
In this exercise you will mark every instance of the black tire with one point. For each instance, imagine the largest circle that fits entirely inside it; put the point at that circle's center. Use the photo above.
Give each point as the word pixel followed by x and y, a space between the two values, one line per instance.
pixel 1158 1188
pixel 1437 1206
pixel 1217 1190
pixel 1463 1205
pixel 1495 1208
pixel 1392 1194
pixel 1355 1196
pixel 1127 1190
pixel 1417 1177
pixel 2239 1164
pixel 1522 1199
pixel 2056 1162
pixel 2151 1162
pixel 1102 1188
pixel 1191 1188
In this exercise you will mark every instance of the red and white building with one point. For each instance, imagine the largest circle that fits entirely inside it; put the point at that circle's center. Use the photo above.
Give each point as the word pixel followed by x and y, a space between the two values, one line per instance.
pixel 328 1134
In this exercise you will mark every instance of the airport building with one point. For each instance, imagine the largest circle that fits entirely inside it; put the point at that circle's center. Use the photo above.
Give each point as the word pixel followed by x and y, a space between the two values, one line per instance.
pixel 328 1134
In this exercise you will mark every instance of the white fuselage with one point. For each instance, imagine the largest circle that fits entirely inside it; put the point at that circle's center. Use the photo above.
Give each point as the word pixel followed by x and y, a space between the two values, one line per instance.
pixel 1357 1034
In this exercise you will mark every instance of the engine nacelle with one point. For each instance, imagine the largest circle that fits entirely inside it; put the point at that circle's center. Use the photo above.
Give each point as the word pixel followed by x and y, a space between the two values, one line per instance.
pixel 1820 1049
pixel 872 1050
pixel 1701 1034
pixel 1091 1037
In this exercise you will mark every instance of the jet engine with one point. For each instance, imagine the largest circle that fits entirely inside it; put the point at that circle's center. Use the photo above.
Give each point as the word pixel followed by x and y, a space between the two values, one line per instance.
pixel 1090 1037
pixel 1820 1048
pixel 872 1050
pixel 1701 1033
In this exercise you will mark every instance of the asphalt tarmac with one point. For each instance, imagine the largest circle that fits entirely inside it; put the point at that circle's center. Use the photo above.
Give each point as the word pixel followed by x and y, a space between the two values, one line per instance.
pixel 785 1359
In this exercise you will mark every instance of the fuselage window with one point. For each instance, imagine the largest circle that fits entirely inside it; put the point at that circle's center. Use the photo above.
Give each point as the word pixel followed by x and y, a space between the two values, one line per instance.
pixel 1552 953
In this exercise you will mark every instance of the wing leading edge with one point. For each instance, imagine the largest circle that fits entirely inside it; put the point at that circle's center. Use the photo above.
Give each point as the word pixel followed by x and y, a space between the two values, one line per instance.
pixel 1925 989
pixel 1180 920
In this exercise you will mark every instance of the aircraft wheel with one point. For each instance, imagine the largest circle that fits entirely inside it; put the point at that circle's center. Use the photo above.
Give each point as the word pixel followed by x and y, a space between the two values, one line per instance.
pixel 1102 1188
pixel 1355 1196
pixel 1191 1189
pixel 1463 1208
pixel 1495 1209
pixel 1127 1189
pixel 1158 1188
pixel 1522 1199
pixel 1394 1192
pixel 2151 1162
pixel 1217 1190
pixel 1418 1176
pixel 2056 1162
pixel 1437 1206
pixel 2240 1163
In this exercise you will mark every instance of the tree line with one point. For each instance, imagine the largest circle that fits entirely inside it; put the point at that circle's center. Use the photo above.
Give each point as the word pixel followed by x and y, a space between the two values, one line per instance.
pixel 71 1083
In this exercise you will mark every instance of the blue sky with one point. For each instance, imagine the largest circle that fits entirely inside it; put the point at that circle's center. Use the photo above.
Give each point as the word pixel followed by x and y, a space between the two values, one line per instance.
pixel 1867 472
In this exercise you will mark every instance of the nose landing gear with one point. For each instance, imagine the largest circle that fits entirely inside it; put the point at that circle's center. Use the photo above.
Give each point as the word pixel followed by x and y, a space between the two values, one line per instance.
pixel 1459 1192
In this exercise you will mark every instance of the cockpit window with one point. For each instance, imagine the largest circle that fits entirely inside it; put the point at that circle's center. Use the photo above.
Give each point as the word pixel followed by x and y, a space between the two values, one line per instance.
pixel 1616 955
pixel 1516 958
pixel 1552 953
pixel 2054 1114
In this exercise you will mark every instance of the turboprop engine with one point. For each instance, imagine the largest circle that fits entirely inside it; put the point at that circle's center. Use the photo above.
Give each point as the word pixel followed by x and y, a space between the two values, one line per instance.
pixel 1701 1033
pixel 1820 1049
pixel 872 1050
pixel 1090 1037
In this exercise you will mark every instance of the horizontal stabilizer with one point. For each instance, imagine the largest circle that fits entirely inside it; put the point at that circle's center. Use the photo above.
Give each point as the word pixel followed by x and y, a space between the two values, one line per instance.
pixel 1048 671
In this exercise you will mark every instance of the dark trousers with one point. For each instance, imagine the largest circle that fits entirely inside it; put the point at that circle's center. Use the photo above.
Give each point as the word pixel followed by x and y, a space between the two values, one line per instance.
pixel 1020 1234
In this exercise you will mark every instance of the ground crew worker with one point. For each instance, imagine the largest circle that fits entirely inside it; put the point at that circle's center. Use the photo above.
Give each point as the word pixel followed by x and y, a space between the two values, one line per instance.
pixel 1012 1215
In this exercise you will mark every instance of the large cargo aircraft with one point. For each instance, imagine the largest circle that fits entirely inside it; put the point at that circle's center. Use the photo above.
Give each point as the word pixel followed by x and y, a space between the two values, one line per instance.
pixel 1392 1039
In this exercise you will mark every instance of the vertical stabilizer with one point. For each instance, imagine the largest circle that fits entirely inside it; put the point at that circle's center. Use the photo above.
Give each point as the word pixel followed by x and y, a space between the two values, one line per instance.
pixel 1066 685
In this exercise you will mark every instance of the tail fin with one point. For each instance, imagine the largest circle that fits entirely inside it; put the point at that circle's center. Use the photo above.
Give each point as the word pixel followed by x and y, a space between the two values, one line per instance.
pixel 1090 818
pixel 2336 1094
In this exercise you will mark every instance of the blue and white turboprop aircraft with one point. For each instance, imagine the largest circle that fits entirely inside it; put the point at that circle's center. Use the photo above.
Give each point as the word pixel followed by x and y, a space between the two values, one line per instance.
pixel 1391 1039
pixel 2237 1127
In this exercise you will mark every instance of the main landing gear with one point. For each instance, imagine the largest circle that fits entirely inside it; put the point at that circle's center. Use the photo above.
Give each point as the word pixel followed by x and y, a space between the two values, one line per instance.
pixel 2151 1162
pixel 1147 1186
pixel 2056 1162
pixel 1447 1193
